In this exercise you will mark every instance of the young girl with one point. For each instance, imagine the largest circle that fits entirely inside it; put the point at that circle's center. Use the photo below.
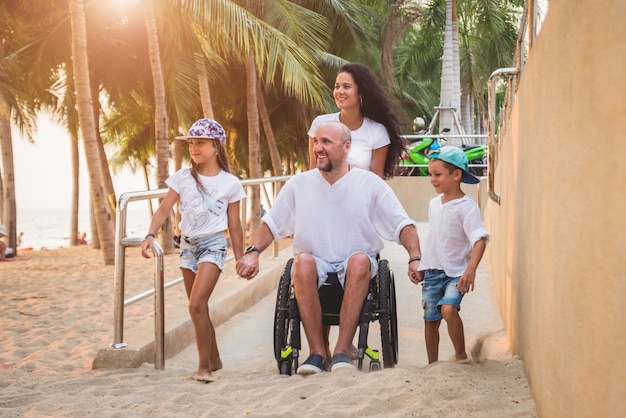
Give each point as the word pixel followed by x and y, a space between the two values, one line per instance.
pixel 208 198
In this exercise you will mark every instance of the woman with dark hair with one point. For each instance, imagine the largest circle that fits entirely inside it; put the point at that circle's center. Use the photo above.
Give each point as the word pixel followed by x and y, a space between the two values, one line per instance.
pixel 370 114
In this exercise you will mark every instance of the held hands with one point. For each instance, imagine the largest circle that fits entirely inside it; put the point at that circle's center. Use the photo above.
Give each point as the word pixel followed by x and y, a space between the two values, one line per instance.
pixel 415 275
pixel 248 265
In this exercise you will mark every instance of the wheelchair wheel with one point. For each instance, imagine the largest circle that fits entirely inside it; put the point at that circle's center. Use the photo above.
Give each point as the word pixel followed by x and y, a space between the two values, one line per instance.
pixel 394 316
pixel 387 316
pixel 282 320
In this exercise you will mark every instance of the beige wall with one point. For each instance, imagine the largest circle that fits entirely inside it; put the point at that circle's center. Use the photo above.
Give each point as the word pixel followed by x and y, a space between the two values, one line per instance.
pixel 415 192
pixel 558 245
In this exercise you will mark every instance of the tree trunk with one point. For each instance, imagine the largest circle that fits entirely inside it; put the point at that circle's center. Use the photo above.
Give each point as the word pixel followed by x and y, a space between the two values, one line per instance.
pixel 84 102
pixel 109 189
pixel 277 165
pixel 160 118
pixel 8 214
pixel 9 210
pixel 75 190
pixel 203 85
pixel 401 15
pixel 450 98
pixel 254 156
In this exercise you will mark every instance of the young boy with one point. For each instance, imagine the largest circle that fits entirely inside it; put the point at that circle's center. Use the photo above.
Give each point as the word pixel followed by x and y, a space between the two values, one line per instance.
pixel 454 246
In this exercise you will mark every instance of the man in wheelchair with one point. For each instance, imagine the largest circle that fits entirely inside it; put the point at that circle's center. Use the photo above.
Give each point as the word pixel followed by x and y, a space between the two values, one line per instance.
pixel 338 216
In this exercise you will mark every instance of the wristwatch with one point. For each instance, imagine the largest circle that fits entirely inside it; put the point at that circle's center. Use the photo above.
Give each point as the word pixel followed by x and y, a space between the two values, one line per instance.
pixel 252 248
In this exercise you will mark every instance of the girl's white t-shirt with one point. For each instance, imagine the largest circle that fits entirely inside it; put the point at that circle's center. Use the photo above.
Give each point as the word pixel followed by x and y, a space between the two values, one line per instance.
pixel 204 213
pixel 369 136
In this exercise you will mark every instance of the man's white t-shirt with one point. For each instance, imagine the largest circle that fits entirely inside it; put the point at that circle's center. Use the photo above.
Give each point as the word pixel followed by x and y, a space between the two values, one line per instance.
pixel 205 213
pixel 453 230
pixel 333 222
pixel 370 136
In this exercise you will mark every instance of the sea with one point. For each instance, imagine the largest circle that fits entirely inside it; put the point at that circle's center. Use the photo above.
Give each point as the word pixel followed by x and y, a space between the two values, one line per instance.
pixel 50 228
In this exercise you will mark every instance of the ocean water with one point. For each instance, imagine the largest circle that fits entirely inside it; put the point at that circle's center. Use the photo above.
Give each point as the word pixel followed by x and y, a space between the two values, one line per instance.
pixel 50 228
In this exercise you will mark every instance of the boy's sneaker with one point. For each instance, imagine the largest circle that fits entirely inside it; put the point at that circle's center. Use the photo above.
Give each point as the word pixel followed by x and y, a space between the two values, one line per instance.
pixel 314 364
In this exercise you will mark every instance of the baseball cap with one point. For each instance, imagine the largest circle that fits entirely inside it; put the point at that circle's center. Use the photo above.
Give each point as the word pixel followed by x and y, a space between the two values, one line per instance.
pixel 457 158
pixel 205 128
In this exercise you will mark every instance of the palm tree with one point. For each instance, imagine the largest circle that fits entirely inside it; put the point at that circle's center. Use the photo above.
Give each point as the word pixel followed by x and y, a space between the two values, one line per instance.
pixel 486 41
pixel 160 118
pixel 84 101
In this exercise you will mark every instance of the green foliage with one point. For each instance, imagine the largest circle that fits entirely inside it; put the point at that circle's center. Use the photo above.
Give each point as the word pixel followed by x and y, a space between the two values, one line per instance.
pixel 299 46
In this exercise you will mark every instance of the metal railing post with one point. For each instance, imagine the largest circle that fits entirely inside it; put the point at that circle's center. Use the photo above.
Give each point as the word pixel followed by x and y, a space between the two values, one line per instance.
pixel 159 307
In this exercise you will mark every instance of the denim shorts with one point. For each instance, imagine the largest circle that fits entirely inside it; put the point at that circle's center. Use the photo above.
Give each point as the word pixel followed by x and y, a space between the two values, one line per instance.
pixel 324 267
pixel 439 289
pixel 208 248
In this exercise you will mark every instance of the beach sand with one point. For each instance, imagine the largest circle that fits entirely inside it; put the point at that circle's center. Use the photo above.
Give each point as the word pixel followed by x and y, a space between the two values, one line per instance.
pixel 56 313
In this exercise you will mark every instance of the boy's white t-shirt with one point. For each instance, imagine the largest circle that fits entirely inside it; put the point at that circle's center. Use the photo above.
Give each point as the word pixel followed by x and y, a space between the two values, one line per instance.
pixel 453 229
pixel 369 136
pixel 334 221
pixel 204 213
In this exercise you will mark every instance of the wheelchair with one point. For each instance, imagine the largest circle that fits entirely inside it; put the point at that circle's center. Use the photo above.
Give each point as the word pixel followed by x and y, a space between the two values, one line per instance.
pixel 379 305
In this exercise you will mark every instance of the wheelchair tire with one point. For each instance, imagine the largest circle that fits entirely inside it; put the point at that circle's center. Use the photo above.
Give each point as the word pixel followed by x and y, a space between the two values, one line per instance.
pixel 386 315
pixel 394 316
pixel 281 318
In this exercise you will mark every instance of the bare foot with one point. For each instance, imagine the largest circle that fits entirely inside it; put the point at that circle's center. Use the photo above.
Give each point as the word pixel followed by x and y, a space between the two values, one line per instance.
pixel 462 359
pixel 204 377
pixel 217 367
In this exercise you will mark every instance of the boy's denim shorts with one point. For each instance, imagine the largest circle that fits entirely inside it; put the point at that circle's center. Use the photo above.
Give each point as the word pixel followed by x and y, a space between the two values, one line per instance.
pixel 439 289
pixel 324 267
pixel 208 248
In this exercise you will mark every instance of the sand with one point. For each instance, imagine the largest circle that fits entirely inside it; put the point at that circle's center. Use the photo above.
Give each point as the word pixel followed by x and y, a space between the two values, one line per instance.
pixel 56 312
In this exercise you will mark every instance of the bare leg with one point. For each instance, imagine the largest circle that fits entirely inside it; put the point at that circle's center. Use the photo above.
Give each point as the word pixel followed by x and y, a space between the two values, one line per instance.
pixel 455 330
pixel 431 335
pixel 199 288
pixel 305 286
pixel 355 291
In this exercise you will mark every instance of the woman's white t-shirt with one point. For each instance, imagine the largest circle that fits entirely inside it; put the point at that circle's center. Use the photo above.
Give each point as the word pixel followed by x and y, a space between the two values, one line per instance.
pixel 369 136
pixel 204 212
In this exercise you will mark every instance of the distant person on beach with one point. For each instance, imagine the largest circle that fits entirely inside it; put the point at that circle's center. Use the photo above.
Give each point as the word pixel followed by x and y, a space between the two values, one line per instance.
pixel 208 198
pixel 371 116
pixel 453 249
pixel 338 216
pixel 82 238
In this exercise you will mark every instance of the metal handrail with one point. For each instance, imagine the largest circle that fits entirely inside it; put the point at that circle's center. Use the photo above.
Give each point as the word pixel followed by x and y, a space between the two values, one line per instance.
pixel 492 146
pixel 123 242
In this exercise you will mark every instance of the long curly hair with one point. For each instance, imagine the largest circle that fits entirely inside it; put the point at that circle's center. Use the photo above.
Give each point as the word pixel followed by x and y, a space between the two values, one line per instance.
pixel 378 106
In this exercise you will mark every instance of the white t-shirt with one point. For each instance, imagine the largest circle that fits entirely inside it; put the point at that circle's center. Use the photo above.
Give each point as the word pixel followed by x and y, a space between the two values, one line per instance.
pixel 370 136
pixel 335 221
pixel 205 213
pixel 453 229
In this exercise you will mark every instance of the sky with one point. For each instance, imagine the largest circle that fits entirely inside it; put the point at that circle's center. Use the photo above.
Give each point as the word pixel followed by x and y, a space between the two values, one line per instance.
pixel 43 171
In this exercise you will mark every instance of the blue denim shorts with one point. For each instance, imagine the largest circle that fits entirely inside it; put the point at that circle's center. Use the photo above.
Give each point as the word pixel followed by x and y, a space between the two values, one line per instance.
pixel 439 289
pixel 209 248
pixel 324 267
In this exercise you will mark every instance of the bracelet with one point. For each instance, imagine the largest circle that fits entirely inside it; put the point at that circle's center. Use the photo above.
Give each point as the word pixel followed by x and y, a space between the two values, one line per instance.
pixel 149 236
pixel 416 258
